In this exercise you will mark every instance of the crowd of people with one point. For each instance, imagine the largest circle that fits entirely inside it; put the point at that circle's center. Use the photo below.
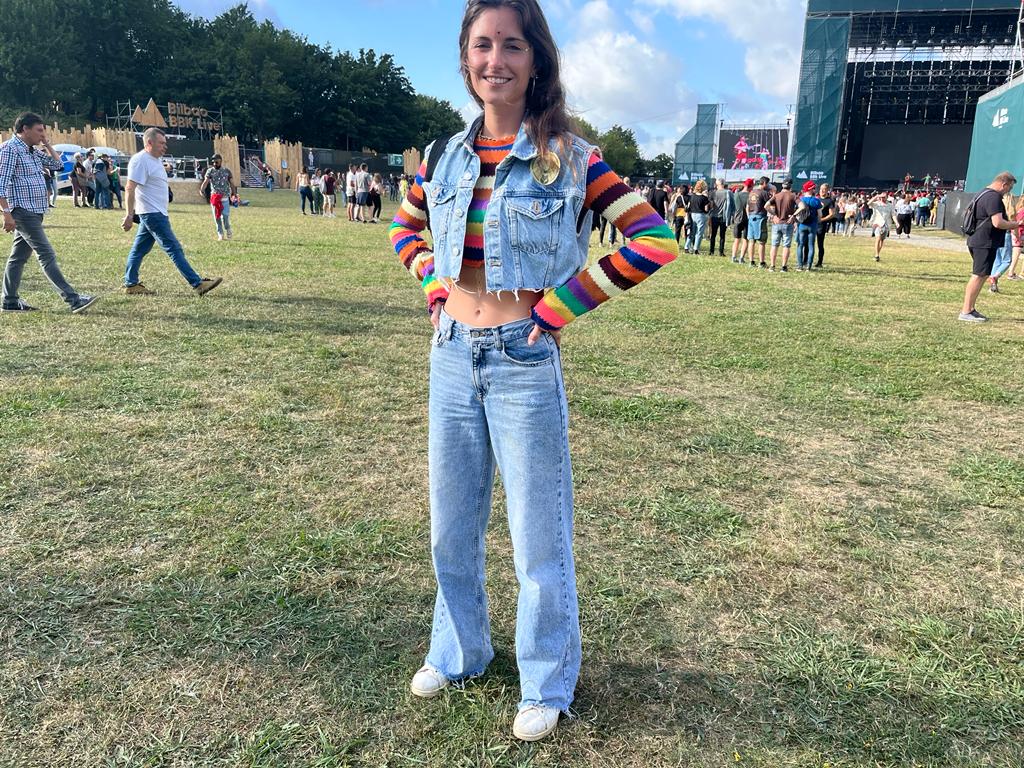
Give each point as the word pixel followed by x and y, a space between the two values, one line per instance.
pixel 95 181
pixel 361 192
pixel 758 211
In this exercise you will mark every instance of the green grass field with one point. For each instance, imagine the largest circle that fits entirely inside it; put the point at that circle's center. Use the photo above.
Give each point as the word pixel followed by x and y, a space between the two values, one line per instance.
pixel 800 514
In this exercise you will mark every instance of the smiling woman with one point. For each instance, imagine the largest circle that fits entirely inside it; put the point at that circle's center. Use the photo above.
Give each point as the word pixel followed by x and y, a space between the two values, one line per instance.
pixel 510 202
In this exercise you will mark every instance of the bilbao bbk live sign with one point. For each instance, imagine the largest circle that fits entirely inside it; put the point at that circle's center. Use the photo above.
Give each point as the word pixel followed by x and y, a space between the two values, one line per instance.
pixel 186 116
pixel 179 115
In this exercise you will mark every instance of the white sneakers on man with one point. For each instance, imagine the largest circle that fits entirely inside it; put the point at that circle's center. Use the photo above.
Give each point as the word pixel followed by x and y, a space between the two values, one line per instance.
pixel 535 722
pixel 428 682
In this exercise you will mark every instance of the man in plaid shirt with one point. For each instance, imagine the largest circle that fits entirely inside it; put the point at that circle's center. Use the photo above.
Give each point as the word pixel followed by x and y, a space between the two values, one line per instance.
pixel 23 200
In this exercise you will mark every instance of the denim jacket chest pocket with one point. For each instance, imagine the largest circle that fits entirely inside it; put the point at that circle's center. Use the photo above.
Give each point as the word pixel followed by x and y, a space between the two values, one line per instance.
pixel 440 199
pixel 532 227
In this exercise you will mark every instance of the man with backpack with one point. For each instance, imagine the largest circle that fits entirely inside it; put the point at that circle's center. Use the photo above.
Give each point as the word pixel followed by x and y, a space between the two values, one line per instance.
pixel 985 225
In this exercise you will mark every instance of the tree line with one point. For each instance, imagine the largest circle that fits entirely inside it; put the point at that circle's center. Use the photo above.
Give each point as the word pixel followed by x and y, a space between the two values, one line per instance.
pixel 73 60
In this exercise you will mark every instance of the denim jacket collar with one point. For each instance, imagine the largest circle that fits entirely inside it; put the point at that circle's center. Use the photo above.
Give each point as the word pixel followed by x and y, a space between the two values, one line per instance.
pixel 523 148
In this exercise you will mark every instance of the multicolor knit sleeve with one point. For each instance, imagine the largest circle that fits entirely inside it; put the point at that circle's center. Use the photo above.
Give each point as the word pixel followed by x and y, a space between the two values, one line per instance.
pixel 410 246
pixel 651 245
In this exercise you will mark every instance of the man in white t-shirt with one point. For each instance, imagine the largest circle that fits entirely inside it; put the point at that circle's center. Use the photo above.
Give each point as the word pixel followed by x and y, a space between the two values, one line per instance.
pixel 146 194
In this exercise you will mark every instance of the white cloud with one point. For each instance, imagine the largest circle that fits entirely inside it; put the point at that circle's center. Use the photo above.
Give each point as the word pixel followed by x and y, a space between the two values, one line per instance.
pixel 772 65
pixel 595 16
pixel 615 78
pixel 774 69
pixel 642 21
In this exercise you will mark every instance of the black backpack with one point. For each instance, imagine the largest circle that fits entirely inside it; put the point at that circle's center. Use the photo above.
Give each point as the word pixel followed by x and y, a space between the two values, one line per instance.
pixel 970 223
pixel 433 158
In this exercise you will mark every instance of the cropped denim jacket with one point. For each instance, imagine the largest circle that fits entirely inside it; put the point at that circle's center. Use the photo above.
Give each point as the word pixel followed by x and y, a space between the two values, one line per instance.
pixel 534 234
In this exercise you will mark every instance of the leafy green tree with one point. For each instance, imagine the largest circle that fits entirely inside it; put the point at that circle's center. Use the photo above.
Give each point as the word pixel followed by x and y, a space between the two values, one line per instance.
pixel 434 119
pixel 660 167
pixel 73 60
pixel 620 150
pixel 587 131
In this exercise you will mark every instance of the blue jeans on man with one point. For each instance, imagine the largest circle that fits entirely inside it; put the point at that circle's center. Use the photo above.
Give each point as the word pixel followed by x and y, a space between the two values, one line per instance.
pixel 156 228
pixel 782 234
pixel 224 220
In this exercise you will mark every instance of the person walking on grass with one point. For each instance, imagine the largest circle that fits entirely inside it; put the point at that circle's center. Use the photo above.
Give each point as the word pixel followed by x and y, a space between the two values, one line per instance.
pixel 904 210
pixel 24 201
pixel 850 210
pixel 147 194
pixel 221 184
pixel 882 215
pixel 376 201
pixel 497 396
pixel 990 226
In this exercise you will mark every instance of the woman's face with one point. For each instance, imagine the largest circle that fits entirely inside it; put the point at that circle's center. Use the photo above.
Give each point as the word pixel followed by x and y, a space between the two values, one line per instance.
pixel 499 59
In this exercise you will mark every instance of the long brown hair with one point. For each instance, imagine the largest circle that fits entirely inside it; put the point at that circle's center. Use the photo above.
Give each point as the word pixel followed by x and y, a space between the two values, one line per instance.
pixel 546 114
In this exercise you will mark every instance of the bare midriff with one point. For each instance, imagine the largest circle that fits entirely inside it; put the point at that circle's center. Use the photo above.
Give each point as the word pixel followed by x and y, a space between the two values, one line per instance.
pixel 470 304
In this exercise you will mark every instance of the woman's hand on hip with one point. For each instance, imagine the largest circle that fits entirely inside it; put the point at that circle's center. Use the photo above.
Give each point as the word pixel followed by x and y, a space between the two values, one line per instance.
pixel 535 335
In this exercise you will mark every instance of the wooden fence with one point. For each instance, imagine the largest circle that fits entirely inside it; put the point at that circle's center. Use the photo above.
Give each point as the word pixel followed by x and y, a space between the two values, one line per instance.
pixel 284 159
pixel 227 148
pixel 411 162
pixel 123 141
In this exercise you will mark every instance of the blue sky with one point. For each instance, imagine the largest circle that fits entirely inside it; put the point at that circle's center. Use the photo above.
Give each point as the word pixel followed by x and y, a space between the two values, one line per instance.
pixel 644 64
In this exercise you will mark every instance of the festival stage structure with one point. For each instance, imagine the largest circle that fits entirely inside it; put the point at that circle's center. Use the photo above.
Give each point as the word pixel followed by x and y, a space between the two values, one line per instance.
pixel 890 87
pixel 714 149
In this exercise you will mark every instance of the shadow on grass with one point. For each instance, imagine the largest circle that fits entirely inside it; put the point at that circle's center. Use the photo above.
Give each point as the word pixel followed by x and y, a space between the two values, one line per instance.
pixel 896 276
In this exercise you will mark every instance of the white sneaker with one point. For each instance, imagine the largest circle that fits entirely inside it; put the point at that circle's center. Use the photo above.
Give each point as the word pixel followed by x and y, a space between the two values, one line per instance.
pixel 535 722
pixel 428 682
pixel 220 238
